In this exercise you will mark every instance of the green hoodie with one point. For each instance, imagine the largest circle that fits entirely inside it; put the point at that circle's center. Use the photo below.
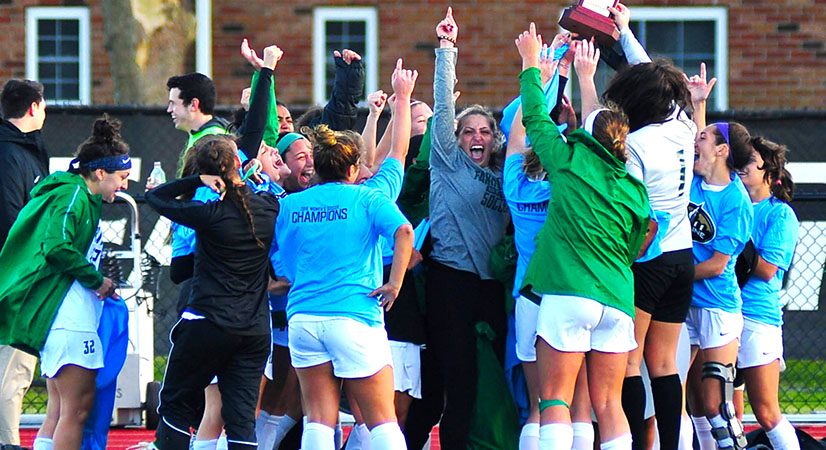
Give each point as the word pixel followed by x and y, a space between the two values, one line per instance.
pixel 44 254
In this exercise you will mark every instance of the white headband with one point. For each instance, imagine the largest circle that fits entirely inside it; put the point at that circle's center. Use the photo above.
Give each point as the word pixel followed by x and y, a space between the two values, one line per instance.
pixel 589 121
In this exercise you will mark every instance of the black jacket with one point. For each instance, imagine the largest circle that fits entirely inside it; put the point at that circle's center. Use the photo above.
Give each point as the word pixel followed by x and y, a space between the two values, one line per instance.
pixel 23 162
pixel 231 271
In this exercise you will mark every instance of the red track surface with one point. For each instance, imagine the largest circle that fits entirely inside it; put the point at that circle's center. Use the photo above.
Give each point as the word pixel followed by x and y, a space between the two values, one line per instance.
pixel 121 438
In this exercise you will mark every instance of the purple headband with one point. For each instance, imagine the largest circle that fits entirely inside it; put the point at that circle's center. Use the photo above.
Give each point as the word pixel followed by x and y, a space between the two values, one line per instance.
pixel 723 127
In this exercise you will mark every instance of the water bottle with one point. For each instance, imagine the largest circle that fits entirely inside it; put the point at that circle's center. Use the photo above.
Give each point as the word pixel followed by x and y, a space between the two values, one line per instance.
pixel 157 177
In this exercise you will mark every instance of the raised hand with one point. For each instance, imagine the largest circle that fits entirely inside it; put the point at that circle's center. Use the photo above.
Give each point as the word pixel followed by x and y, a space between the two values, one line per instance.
pixel 567 114
pixel 245 98
pixel 622 15
pixel 376 101
pixel 347 55
pixel 272 55
pixel 547 65
pixel 250 55
pixel 698 86
pixel 447 31
pixel 586 59
pixel 529 45
pixel 403 80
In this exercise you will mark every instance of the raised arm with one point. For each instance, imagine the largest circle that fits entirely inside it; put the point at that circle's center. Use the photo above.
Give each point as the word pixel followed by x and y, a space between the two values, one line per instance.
pixel 375 105
pixel 341 112
pixel 634 52
pixel 516 139
pixel 700 90
pixel 404 81
pixel 259 111
pixel 164 199
pixel 585 62
pixel 444 148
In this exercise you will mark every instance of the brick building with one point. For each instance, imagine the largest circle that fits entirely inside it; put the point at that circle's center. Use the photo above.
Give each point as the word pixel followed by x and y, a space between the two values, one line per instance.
pixel 768 54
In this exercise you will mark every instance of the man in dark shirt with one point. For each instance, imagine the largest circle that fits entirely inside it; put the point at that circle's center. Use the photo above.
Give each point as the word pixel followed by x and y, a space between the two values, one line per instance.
pixel 23 162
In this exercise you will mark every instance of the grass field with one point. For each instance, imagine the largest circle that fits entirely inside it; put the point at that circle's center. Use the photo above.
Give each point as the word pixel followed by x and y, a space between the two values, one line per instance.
pixel 802 387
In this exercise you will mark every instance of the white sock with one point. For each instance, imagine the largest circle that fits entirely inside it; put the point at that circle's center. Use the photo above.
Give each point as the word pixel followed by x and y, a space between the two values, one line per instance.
pixel 556 436
pixel 529 437
pixel 387 436
pixel 260 422
pixel 223 444
pixel 783 436
pixel 284 426
pixel 338 436
pixel 41 443
pixel 618 443
pixel 359 438
pixel 210 444
pixel 718 422
pixel 703 430
pixel 317 436
pixel 265 434
pixel 583 436
pixel 686 434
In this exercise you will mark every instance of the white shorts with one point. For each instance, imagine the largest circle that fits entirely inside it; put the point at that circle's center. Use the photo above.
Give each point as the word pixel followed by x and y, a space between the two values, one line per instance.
pixel 576 324
pixel 760 344
pixel 712 328
pixel 355 349
pixel 407 368
pixel 64 347
pixel 526 315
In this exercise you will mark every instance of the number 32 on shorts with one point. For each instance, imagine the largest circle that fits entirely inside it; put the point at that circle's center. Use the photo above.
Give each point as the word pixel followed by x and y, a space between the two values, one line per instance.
pixel 88 347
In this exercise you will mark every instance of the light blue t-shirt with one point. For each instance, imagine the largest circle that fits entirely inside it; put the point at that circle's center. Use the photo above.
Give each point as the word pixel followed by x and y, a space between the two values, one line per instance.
pixel 277 302
pixel 775 236
pixel 327 237
pixel 183 238
pixel 721 221
pixel 387 180
pixel 528 202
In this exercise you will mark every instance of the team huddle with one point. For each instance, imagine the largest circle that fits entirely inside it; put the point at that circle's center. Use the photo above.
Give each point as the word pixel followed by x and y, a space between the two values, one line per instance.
pixel 315 260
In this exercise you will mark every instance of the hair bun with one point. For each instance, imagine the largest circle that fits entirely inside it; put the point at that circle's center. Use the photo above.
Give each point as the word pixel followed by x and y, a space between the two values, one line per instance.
pixel 106 129
pixel 322 135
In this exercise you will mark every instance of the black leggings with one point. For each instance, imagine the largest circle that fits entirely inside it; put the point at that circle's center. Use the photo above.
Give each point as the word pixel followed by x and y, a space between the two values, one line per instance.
pixel 456 301
pixel 201 350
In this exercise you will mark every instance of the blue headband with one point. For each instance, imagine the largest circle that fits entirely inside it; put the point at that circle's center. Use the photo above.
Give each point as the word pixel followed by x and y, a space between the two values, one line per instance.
pixel 108 163
pixel 285 142
pixel 723 127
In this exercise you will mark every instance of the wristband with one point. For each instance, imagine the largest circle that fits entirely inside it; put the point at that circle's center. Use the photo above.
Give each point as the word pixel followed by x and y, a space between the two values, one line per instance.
pixel 447 38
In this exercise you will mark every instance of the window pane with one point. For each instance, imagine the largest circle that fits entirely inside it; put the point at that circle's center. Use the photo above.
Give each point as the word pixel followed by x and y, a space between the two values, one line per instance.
pixel 49 90
pixel 69 27
pixel 69 48
pixel 662 38
pixel 46 27
pixel 333 28
pixel 341 35
pixel 70 91
pixel 357 28
pixel 46 71
pixel 46 47
pixel 699 37
pixel 69 72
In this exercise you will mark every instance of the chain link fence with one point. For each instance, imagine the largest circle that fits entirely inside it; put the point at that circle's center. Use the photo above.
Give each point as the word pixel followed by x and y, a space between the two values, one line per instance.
pixel 802 385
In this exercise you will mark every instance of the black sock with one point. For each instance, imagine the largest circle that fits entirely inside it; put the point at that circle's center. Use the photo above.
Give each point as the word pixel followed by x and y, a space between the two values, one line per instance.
pixel 633 403
pixel 668 396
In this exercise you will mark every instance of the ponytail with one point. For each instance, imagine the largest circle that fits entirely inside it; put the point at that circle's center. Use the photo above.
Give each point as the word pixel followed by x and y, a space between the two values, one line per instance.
pixel 774 168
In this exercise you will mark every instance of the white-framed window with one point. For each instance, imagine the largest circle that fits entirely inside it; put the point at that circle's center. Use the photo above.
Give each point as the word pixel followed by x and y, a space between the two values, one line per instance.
pixel 337 28
pixel 685 35
pixel 58 52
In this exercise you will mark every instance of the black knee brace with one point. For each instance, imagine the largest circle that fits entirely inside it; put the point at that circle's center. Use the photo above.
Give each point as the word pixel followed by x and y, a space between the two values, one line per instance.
pixel 733 429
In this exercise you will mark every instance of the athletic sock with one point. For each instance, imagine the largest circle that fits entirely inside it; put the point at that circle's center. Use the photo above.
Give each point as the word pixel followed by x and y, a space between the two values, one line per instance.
pixel 529 437
pixel 623 442
pixel 285 424
pixel 317 436
pixel 387 436
pixel 42 443
pixel 633 404
pixel 703 430
pixel 210 444
pixel 266 434
pixel 783 436
pixel 718 422
pixel 356 439
pixel 583 436
pixel 668 399
pixel 223 444
pixel 556 436
pixel 338 436
pixel 686 433
pixel 260 422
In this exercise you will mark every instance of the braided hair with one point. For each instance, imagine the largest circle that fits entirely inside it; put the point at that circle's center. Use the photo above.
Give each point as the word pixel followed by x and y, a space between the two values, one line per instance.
pixel 217 155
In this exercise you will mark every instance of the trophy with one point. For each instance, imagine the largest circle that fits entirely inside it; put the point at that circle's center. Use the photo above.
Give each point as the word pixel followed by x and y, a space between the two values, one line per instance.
pixel 591 18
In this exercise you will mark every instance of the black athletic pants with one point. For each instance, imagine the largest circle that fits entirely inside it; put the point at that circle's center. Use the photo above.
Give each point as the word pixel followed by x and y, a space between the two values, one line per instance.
pixel 456 300
pixel 201 350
